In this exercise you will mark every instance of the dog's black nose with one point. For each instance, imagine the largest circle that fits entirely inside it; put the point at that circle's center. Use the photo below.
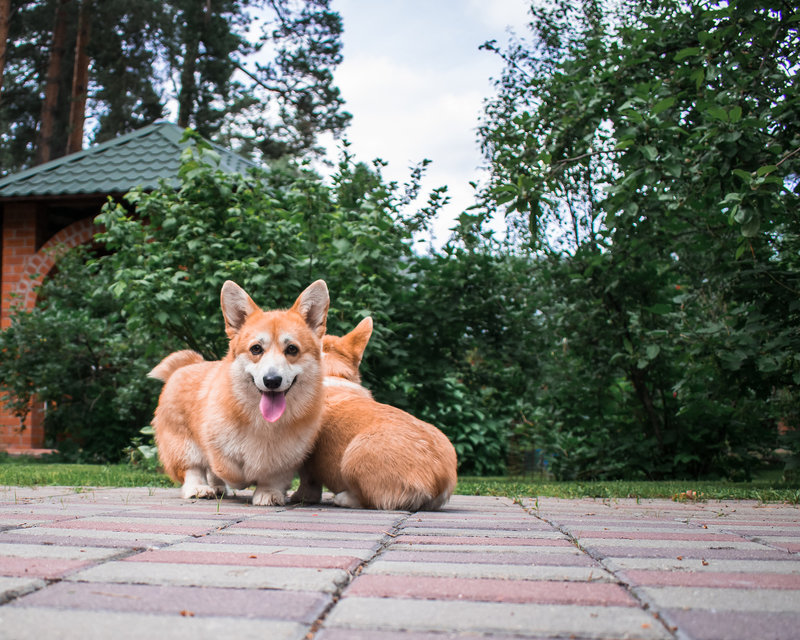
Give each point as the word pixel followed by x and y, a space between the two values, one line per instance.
pixel 272 382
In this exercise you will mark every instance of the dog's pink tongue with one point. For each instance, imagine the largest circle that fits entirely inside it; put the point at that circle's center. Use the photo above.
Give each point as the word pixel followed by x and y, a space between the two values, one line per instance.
pixel 272 405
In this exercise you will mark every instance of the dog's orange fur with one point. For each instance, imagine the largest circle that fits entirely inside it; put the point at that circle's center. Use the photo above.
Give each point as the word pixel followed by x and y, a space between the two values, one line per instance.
pixel 209 428
pixel 370 454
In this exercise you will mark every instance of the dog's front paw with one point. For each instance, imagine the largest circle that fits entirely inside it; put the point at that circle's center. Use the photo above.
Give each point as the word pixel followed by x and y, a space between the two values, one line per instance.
pixel 201 491
pixel 268 497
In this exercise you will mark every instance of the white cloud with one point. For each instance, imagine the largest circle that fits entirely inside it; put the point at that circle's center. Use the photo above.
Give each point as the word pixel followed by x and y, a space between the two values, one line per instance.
pixel 415 81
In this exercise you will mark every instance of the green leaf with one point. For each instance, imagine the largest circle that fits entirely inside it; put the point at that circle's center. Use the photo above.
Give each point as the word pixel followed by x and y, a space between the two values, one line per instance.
pixel 663 105
pixel 652 351
pixel 766 170
pixel 719 113
pixel 650 152
pixel 685 53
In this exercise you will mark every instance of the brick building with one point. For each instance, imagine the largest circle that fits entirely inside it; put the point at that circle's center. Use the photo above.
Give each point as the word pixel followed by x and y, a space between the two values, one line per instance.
pixel 51 208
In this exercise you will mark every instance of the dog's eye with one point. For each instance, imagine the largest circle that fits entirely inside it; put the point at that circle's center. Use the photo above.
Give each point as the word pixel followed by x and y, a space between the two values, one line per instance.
pixel 256 350
pixel 291 350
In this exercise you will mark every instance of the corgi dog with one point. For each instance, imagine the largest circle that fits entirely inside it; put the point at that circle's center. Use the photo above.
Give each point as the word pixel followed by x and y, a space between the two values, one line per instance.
pixel 252 417
pixel 372 455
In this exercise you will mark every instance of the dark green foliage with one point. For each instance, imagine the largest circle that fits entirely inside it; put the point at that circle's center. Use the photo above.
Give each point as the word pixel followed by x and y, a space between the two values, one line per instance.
pixel 649 155
pixel 74 353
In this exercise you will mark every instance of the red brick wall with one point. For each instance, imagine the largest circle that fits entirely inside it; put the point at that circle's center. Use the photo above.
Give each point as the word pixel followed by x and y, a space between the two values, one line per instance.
pixel 24 268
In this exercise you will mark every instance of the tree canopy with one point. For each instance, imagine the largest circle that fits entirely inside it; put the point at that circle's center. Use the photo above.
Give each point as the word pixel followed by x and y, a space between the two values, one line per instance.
pixel 256 75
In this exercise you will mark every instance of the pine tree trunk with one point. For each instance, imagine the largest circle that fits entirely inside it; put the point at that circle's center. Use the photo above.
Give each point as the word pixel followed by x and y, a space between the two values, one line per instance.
pixel 44 143
pixel 188 90
pixel 5 15
pixel 80 80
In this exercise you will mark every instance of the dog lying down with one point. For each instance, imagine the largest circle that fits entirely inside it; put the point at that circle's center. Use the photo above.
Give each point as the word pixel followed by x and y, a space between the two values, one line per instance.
pixel 370 454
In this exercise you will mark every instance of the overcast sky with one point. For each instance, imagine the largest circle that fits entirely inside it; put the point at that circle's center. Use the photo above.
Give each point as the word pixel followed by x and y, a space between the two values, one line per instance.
pixel 415 80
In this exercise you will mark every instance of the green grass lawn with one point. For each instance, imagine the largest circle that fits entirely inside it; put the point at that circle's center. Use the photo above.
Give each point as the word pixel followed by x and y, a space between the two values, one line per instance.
pixel 766 488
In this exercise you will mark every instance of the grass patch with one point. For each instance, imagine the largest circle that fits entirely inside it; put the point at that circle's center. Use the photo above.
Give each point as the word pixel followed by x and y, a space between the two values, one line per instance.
pixel 28 472
pixel 763 489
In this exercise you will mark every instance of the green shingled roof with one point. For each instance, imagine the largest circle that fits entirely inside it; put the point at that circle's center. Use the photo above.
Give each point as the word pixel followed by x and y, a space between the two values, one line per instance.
pixel 137 159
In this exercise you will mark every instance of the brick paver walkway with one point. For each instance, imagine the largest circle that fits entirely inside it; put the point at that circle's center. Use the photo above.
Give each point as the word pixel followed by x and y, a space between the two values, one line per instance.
pixel 142 563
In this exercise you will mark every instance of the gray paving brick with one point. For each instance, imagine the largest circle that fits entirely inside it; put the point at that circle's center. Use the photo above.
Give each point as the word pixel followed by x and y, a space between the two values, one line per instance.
pixel 39 623
pixel 530 620
pixel 504 572
pixel 298 579
pixel 11 588
pixel 722 599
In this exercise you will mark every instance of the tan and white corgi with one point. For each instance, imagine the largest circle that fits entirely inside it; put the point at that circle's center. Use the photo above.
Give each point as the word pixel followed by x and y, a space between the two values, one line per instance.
pixel 369 454
pixel 252 417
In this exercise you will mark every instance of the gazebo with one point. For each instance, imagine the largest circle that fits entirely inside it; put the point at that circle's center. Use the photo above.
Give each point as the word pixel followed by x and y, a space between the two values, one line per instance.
pixel 50 208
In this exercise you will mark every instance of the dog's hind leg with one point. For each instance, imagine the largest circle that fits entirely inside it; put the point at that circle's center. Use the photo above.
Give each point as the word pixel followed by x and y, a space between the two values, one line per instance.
pixel 347 500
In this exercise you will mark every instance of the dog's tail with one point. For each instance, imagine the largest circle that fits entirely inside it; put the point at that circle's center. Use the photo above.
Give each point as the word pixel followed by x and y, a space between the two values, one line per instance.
pixel 174 361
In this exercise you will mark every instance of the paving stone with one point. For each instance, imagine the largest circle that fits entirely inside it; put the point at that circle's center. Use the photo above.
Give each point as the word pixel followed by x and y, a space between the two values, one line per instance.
pixel 488 547
pixel 301 534
pixel 738 580
pixel 13 587
pixel 38 623
pixel 531 620
pixel 294 541
pixel 787 565
pixel 719 599
pixel 53 551
pixel 567 559
pixel 245 559
pixel 292 578
pixel 70 536
pixel 374 634
pixel 49 568
pixel 200 601
pixel 502 572
pixel 487 590
pixel 280 550
pixel 732 625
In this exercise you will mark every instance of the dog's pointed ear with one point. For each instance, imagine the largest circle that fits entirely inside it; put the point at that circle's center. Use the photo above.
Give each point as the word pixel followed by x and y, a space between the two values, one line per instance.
pixel 313 304
pixel 358 338
pixel 236 306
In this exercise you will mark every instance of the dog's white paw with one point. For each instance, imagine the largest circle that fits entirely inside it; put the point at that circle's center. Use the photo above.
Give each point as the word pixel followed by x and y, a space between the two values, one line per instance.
pixel 345 499
pixel 268 497
pixel 201 491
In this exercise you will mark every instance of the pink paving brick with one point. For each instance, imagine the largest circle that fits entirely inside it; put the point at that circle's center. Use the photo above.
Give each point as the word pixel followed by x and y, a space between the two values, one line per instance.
pixel 312 526
pixel 478 540
pixel 528 559
pixel 199 601
pixel 490 590
pixel 736 580
pixel 247 559
pixel 133 527
pixel 49 568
